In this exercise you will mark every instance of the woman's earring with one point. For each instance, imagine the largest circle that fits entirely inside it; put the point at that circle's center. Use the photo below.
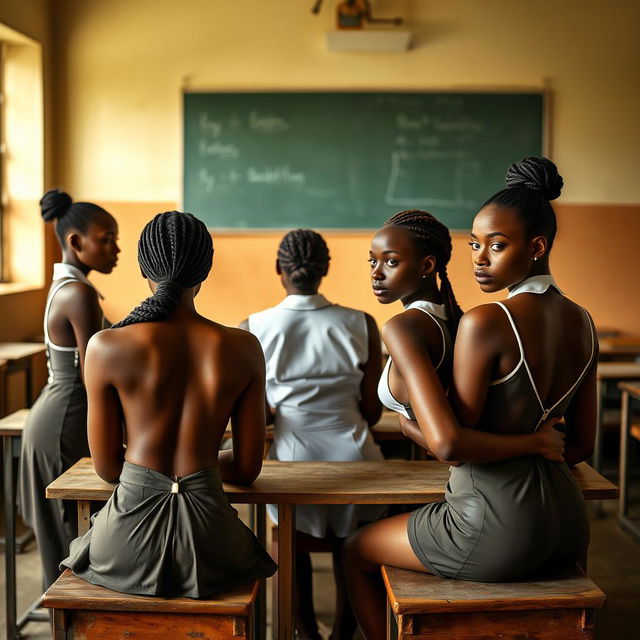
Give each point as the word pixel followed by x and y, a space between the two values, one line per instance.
pixel 423 276
pixel 535 258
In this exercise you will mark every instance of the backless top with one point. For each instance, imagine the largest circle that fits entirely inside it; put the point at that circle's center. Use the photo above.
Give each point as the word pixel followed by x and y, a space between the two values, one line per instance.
pixel 62 362
pixel 443 368
pixel 513 403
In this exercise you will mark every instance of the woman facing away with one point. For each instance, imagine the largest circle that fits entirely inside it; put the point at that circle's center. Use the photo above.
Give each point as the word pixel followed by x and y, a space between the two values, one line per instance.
pixel 323 363
pixel 512 509
pixel 166 380
pixel 55 434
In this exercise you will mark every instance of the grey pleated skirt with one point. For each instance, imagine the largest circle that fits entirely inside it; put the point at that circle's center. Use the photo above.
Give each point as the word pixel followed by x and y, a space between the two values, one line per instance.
pixel 151 540
pixel 503 521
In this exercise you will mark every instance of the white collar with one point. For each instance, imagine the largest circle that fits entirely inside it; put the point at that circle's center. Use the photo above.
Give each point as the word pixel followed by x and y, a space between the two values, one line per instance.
pixel 63 270
pixel 297 302
pixel 437 310
pixel 535 284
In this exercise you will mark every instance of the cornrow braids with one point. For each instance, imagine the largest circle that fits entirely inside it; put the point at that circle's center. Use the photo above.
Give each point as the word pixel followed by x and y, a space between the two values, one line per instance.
pixel 175 250
pixel 530 185
pixel 432 238
pixel 304 256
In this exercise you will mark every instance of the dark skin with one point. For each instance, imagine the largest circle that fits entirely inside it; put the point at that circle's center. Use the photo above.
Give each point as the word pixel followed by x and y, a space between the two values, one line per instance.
pixel 75 313
pixel 168 388
pixel 486 349
pixel 371 409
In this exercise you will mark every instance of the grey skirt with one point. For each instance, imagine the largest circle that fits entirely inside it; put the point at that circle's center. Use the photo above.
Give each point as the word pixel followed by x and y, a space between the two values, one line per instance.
pixel 157 537
pixel 503 521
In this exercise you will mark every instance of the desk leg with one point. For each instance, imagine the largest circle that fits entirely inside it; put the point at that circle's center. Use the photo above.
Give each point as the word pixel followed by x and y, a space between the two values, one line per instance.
pixel 10 539
pixel 623 502
pixel 286 570
pixel 597 446
pixel 260 618
pixel 84 516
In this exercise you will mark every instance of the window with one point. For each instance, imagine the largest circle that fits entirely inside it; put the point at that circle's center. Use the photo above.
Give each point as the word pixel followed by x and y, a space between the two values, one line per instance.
pixel 21 160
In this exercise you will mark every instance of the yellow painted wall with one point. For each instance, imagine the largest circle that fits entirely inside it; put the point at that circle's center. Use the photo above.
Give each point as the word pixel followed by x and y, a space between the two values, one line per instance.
pixel 113 125
pixel 120 66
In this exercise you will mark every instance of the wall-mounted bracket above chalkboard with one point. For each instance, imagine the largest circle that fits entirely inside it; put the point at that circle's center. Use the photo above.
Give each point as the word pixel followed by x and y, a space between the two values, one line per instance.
pixel 349 160
pixel 369 40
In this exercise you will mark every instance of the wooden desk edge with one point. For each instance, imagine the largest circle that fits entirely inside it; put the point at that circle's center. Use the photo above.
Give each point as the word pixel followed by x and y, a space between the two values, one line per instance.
pixel 594 487
pixel 632 386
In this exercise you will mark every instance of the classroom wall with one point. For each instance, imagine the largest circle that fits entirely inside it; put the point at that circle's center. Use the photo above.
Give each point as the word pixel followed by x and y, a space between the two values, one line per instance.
pixel 120 67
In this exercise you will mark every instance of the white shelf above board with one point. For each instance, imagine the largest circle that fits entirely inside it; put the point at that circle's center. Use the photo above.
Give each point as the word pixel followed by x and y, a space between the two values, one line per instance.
pixel 369 40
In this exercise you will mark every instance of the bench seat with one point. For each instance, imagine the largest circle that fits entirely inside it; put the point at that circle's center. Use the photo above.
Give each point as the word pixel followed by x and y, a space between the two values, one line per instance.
pixel 423 606
pixel 90 612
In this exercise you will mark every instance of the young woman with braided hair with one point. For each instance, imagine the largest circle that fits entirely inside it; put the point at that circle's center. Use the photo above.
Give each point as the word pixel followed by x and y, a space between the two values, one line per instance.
pixel 512 509
pixel 161 379
pixel 55 434
pixel 323 364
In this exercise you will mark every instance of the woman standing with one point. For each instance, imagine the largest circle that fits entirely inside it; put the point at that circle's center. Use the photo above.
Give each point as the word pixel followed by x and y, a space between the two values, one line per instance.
pixel 508 514
pixel 55 434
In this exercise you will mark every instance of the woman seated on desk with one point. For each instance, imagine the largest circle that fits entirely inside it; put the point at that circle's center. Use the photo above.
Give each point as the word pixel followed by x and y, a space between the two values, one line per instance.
pixel 323 364
pixel 508 514
pixel 167 380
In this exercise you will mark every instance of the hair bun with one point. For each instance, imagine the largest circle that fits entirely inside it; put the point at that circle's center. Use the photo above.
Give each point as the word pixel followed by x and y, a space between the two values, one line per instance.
pixel 54 204
pixel 538 174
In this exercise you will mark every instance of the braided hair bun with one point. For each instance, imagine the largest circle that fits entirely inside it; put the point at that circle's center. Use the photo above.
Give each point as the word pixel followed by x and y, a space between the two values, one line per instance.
pixel 175 251
pixel 54 204
pixel 304 256
pixel 538 174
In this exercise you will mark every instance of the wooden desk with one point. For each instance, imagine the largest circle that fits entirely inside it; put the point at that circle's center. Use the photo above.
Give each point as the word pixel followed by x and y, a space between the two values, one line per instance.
pixel 630 396
pixel 609 373
pixel 3 388
pixel 385 430
pixel 619 346
pixel 289 483
pixel 18 357
pixel 11 431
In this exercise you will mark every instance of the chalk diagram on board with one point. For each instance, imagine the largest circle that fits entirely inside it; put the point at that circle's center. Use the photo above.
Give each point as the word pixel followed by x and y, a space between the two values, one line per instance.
pixel 426 178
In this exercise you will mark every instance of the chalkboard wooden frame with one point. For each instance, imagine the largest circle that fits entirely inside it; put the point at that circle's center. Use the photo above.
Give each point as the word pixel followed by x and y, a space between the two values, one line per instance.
pixel 543 129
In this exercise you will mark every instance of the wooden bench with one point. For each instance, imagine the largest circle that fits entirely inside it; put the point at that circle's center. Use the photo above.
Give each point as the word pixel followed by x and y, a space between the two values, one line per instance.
pixel 18 356
pixel 426 607
pixel 90 612
pixel 11 428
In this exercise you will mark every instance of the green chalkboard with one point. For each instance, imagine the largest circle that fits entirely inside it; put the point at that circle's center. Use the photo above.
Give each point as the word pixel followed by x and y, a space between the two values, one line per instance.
pixel 349 160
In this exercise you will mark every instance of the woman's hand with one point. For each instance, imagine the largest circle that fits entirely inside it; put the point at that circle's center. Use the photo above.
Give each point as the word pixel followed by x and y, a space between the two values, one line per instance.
pixel 551 440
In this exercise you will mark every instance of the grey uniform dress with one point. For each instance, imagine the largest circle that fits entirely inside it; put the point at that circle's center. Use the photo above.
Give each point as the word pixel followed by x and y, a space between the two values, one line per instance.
pixel 54 438
pixel 514 519
pixel 166 537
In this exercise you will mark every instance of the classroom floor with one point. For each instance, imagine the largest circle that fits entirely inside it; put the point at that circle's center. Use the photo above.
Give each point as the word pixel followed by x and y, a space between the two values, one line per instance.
pixel 614 565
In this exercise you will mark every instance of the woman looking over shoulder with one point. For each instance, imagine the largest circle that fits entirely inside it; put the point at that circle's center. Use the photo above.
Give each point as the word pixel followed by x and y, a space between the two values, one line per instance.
pixel 406 254
pixel 323 364
pixel 55 434
pixel 162 379
pixel 508 514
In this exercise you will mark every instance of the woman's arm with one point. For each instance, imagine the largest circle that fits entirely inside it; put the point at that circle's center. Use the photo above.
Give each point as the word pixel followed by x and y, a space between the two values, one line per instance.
pixel 580 419
pixel 84 314
pixel 443 434
pixel 242 463
pixel 370 405
pixel 105 417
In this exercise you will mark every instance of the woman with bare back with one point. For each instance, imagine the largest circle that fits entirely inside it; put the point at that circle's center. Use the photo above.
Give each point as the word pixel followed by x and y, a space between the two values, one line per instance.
pixel 166 380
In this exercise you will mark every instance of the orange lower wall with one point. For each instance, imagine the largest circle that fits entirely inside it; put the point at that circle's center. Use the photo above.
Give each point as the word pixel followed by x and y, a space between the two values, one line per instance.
pixel 595 260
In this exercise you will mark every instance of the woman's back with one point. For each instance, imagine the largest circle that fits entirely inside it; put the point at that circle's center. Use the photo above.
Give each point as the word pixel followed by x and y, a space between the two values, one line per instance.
pixel 178 383
pixel 315 352
pixel 546 346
